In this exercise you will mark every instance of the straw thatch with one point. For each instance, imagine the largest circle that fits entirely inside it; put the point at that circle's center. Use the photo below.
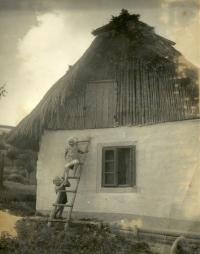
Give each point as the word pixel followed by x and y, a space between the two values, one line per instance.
pixel 153 85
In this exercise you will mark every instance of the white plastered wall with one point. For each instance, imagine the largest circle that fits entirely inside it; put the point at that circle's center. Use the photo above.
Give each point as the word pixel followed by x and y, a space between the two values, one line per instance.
pixel 167 166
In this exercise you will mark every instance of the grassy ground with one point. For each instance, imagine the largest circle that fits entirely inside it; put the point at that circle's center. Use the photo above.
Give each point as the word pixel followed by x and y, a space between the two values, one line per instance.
pixel 35 237
pixel 18 198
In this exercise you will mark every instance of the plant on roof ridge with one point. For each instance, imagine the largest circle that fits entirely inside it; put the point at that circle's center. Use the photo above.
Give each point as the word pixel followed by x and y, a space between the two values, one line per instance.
pixel 125 16
pixel 122 22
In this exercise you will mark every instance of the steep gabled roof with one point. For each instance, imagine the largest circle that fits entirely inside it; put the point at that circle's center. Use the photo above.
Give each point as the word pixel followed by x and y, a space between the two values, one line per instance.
pixel 125 37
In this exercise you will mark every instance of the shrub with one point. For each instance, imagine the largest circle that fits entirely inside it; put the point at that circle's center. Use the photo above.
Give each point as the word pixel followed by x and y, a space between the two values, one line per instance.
pixel 8 175
pixel 19 202
pixel 18 199
pixel 17 178
pixel 19 208
pixel 79 239
pixel 9 195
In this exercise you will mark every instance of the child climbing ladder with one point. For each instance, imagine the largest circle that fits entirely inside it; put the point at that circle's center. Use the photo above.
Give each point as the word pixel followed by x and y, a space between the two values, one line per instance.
pixel 72 152
pixel 72 162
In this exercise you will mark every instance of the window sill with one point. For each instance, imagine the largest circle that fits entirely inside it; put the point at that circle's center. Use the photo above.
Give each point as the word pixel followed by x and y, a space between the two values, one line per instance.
pixel 118 189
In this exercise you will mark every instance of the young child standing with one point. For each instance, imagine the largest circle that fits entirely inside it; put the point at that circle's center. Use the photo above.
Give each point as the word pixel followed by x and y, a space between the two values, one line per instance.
pixel 60 185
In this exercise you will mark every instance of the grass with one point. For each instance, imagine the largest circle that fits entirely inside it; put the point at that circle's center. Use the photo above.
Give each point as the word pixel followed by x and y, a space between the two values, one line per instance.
pixel 35 237
pixel 18 198
pixel 78 239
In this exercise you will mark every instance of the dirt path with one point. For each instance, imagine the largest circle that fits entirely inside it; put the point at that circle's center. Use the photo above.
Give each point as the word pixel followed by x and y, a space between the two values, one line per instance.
pixel 7 223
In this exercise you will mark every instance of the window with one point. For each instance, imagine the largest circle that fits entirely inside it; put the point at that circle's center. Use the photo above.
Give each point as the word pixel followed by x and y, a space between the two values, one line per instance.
pixel 118 166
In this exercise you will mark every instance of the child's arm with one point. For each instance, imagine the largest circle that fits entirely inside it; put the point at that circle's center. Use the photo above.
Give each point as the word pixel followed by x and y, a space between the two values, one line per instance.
pixel 86 148
pixel 66 151
pixel 82 152
pixel 57 188
pixel 61 186
pixel 66 184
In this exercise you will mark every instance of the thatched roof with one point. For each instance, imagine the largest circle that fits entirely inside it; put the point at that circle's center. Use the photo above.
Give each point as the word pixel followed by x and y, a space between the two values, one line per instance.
pixel 124 38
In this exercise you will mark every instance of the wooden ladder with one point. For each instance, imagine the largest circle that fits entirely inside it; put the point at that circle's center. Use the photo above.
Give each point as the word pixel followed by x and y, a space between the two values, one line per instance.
pixel 74 192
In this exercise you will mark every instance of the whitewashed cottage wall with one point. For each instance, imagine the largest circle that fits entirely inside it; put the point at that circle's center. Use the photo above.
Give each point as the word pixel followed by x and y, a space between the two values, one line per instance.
pixel 167 171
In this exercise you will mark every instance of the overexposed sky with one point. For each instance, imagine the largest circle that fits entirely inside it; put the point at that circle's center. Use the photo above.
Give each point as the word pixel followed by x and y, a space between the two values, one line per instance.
pixel 40 38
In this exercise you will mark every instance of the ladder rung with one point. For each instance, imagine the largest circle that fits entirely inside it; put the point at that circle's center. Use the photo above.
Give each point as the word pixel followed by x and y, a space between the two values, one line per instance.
pixel 73 191
pixel 69 205
pixel 73 177
pixel 58 220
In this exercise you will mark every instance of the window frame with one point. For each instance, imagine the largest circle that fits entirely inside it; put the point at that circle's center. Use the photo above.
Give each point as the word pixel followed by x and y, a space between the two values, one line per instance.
pixel 132 173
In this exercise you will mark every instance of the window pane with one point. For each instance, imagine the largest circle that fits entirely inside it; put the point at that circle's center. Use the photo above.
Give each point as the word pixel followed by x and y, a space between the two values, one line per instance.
pixel 109 167
pixel 109 155
pixel 109 178
pixel 124 166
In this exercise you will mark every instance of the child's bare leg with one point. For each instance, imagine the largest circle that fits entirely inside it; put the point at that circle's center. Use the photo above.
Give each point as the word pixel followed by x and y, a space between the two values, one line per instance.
pixel 69 166
pixel 60 211
pixel 75 168
pixel 57 211
pixel 66 172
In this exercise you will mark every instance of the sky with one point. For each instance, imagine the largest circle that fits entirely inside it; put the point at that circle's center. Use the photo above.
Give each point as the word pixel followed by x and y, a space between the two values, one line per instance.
pixel 41 38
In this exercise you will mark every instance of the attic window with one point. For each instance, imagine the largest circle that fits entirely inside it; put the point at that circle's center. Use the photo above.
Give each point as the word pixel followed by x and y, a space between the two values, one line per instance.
pixel 118 166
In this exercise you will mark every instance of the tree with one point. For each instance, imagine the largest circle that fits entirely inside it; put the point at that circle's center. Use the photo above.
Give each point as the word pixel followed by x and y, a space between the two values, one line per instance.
pixel 3 151
pixel 2 143
pixel 27 161
pixel 1 169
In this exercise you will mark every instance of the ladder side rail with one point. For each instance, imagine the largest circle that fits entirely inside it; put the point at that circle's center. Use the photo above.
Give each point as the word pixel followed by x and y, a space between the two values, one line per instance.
pixel 53 211
pixel 74 196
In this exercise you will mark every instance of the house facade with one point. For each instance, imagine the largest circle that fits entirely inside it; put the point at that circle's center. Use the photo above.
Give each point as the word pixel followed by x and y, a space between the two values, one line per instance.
pixel 163 191
pixel 137 98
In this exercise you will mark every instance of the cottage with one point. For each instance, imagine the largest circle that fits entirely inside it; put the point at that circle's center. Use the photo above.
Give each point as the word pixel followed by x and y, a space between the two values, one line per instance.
pixel 137 98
